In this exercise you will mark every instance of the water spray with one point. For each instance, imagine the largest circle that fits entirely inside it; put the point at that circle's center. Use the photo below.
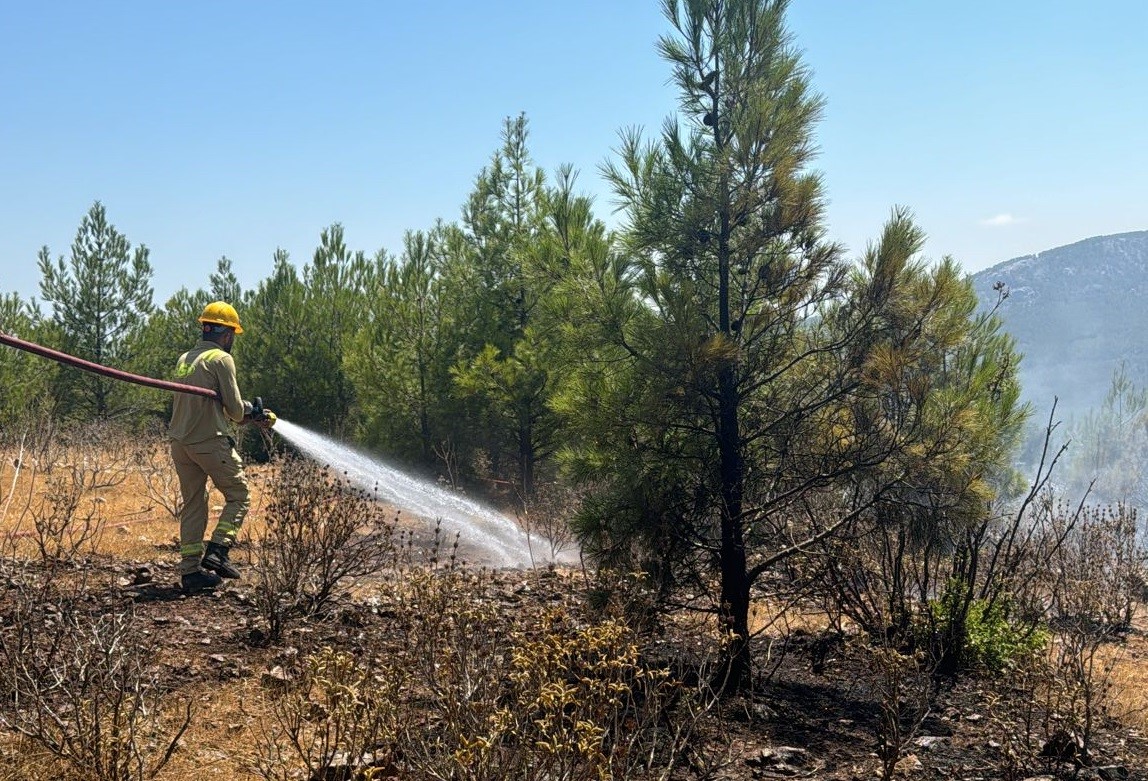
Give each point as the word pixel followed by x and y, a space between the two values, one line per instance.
pixel 495 537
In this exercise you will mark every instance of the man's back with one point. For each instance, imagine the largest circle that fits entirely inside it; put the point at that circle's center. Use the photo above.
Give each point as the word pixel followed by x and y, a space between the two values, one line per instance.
pixel 197 418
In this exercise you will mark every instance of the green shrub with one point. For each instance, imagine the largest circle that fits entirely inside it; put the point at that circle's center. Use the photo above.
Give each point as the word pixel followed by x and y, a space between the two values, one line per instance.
pixel 991 639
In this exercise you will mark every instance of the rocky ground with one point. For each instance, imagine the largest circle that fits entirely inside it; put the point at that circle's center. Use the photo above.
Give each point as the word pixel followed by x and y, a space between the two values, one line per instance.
pixel 815 715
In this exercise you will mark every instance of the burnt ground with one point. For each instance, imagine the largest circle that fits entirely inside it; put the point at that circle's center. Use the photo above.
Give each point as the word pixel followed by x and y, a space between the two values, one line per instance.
pixel 815 713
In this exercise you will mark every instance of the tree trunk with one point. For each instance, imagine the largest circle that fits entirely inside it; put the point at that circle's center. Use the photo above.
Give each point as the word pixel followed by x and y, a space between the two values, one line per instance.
pixel 734 574
pixel 526 451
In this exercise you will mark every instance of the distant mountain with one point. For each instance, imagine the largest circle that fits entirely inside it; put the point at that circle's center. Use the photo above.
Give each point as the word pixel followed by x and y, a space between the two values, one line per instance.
pixel 1077 312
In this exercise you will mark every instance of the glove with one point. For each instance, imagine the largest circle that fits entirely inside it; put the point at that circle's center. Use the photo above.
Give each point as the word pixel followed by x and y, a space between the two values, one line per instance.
pixel 268 419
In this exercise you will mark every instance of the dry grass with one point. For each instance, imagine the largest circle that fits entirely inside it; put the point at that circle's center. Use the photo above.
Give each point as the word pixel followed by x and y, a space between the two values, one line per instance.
pixel 777 617
pixel 133 526
pixel 225 734
pixel 1129 662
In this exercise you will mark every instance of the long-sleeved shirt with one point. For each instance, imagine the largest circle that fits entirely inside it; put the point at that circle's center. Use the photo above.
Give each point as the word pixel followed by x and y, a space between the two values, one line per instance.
pixel 198 418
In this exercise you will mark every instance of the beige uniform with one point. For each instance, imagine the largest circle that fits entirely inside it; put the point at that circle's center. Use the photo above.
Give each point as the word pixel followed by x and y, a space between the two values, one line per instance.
pixel 203 446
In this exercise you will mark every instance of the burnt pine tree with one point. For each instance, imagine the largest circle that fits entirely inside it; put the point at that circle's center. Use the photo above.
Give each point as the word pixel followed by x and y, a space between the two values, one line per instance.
pixel 728 254
pixel 749 399
pixel 100 298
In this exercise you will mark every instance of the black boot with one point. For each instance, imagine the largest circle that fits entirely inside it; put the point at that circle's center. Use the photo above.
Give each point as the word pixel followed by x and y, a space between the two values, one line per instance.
pixel 200 580
pixel 215 559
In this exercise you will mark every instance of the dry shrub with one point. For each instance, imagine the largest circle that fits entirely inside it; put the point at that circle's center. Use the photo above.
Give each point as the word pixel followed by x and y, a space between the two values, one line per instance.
pixel 99 454
pixel 1129 701
pixel 341 720
pixel 12 459
pixel 628 597
pixel 160 481
pixel 1067 693
pixel 65 521
pixel 903 684
pixel 64 473
pixel 1093 591
pixel 547 513
pixel 454 687
pixel 1098 572
pixel 78 681
pixel 320 534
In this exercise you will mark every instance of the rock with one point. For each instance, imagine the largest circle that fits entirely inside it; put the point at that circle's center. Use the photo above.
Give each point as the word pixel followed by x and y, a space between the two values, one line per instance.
pixel 276 678
pixel 780 759
pixel 345 768
pixel 909 764
pixel 1112 772
pixel 1063 746
pixel 929 742
pixel 762 711
pixel 136 576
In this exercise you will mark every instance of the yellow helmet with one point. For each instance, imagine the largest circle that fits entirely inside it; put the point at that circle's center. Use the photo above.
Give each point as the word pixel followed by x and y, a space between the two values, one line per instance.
pixel 221 313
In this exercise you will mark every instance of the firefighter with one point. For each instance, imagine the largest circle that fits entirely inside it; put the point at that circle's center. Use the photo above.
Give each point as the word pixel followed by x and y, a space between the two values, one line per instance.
pixel 203 446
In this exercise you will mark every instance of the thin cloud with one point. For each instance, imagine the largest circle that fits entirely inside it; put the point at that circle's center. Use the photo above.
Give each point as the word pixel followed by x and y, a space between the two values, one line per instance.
pixel 1000 221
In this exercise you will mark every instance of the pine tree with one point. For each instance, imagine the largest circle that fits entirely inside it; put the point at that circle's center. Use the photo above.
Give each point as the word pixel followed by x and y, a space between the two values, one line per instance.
pixel 725 226
pixel 749 398
pixel 924 440
pixel 269 355
pixel 223 284
pixel 26 379
pixel 100 299
pixel 399 359
pixel 336 284
pixel 507 366
pixel 1108 459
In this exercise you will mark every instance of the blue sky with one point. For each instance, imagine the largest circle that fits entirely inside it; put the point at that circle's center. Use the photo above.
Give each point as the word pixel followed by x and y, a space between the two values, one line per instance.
pixel 234 128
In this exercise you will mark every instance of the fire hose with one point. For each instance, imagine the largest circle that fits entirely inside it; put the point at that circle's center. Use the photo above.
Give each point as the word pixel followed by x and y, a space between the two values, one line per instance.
pixel 106 371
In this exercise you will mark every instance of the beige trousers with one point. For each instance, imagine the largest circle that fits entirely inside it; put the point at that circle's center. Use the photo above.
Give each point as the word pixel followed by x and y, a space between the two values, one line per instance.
pixel 194 464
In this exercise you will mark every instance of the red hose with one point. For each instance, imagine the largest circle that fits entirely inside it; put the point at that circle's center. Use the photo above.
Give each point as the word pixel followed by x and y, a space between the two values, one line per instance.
pixel 106 371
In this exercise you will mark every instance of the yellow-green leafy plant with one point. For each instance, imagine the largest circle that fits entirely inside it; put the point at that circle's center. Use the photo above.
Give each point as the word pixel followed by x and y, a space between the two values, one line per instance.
pixel 340 720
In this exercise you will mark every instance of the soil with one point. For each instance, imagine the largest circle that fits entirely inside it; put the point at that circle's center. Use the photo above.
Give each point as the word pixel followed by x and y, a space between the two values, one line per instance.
pixel 814 714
